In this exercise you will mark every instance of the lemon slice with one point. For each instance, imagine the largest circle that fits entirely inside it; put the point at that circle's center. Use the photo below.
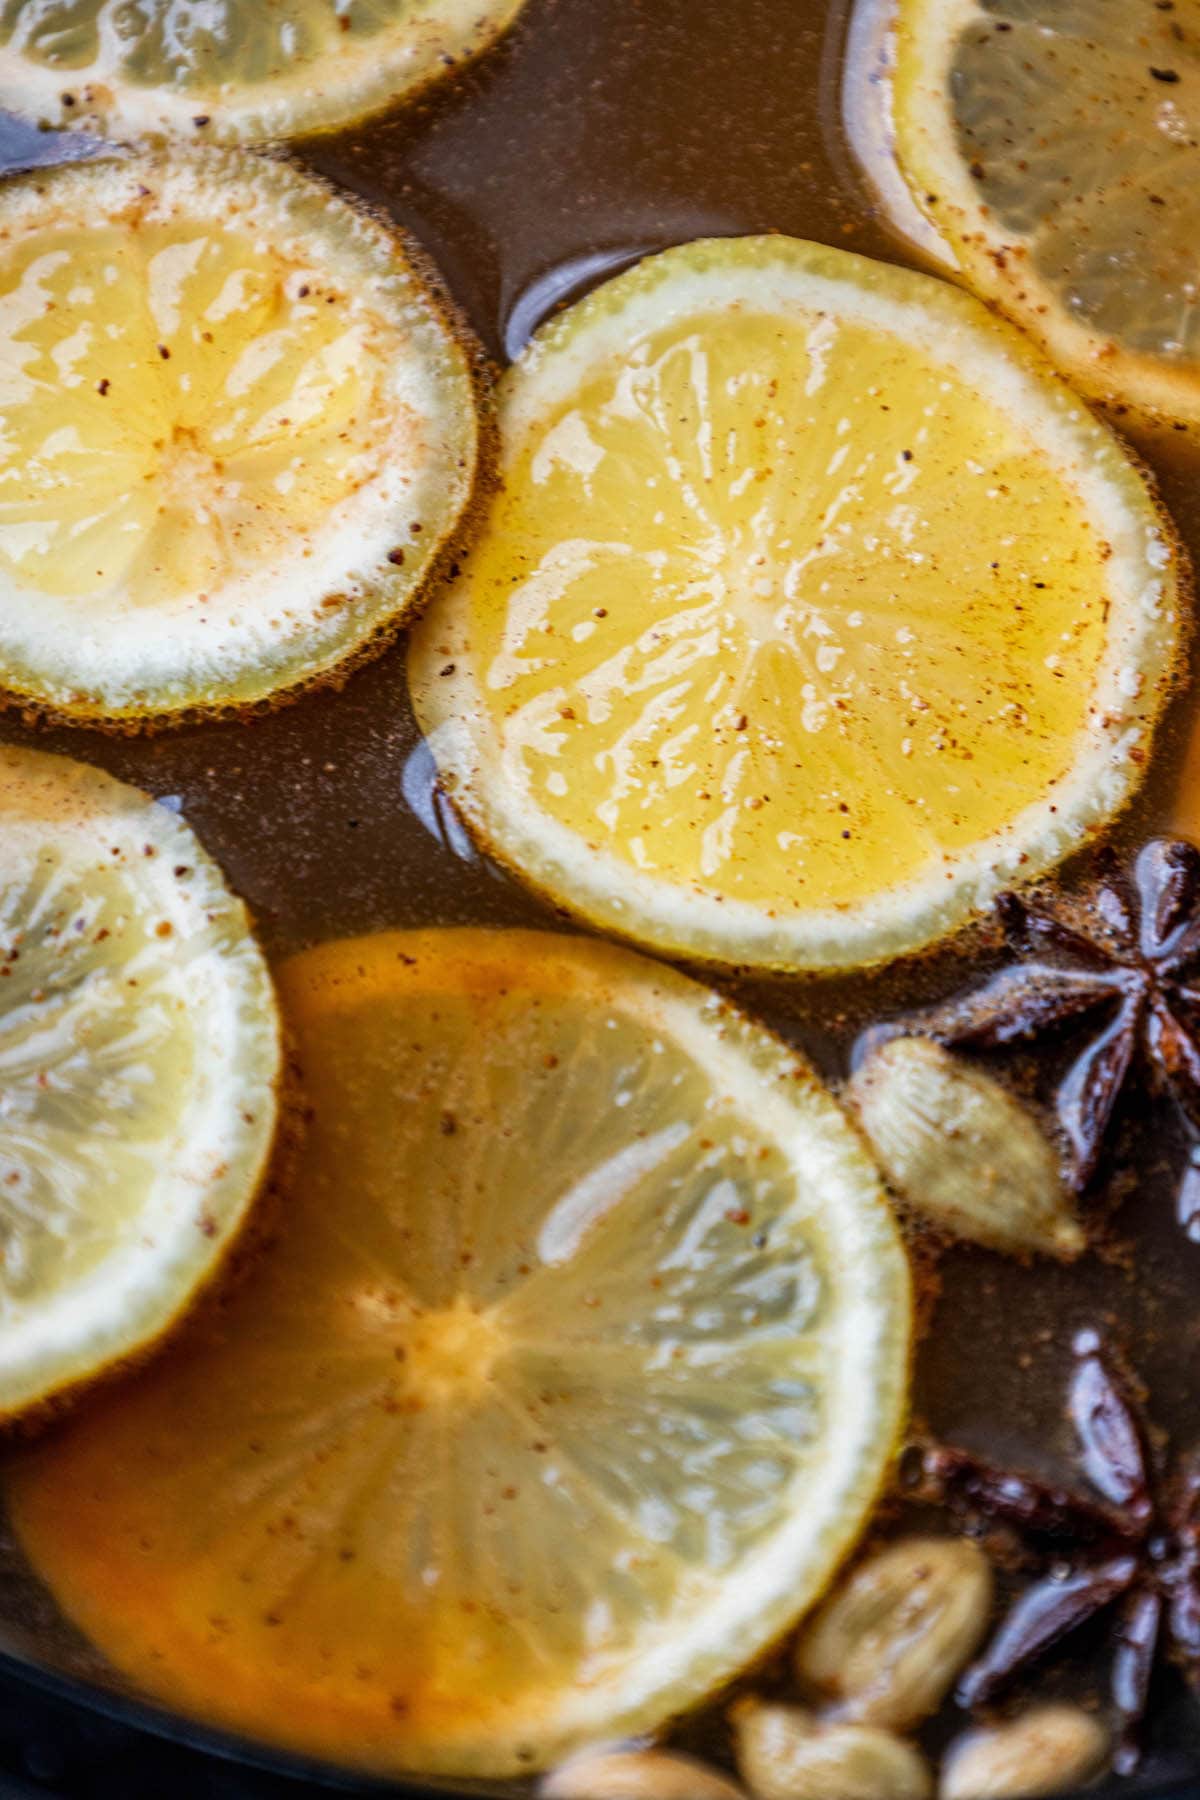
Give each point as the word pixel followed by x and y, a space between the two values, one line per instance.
pixel 239 432
pixel 1056 144
pixel 813 611
pixel 575 1371
pixel 244 70
pixel 139 1057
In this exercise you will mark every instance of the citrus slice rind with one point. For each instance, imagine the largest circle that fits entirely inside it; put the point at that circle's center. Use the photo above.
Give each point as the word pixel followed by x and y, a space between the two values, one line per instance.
pixel 139 1061
pixel 240 435
pixel 813 612
pixel 232 70
pixel 575 1370
pixel 1055 147
pixel 868 67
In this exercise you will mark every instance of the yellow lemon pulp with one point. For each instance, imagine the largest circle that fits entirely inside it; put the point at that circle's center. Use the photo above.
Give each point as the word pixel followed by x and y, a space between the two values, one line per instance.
pixel 787 568
pixel 810 609
pixel 231 69
pixel 237 432
pixel 1055 145
pixel 139 1057
pixel 221 411
pixel 576 1368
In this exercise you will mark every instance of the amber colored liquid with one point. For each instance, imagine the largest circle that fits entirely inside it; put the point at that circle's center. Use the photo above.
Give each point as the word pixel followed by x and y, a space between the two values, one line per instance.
pixel 603 129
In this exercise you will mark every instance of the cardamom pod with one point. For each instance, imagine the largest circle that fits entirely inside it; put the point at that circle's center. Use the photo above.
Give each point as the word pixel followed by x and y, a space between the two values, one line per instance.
pixel 961 1152
pixel 888 1645
pixel 617 1774
pixel 1048 1750
pixel 784 1753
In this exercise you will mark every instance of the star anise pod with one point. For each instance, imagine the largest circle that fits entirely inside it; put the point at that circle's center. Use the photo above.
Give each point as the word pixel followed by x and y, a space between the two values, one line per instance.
pixel 1130 975
pixel 1130 1547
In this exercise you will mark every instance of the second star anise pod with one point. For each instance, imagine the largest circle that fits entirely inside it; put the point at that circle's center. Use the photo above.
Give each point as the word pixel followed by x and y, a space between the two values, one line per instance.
pixel 1132 974
pixel 1129 1549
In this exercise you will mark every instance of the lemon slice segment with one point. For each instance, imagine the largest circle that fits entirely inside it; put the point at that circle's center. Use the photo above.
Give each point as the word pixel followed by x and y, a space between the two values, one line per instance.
pixel 814 610
pixel 139 1058
pixel 1056 144
pixel 231 70
pixel 239 432
pixel 575 1371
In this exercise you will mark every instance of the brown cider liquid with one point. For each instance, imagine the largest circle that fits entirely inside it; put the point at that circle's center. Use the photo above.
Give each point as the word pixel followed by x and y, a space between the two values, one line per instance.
pixel 598 131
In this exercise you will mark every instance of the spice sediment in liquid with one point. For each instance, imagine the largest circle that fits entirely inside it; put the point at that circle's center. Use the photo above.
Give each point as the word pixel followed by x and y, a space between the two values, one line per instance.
pixel 600 130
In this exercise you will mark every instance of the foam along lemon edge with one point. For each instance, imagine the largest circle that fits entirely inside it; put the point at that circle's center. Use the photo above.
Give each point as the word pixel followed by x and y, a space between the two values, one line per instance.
pixel 363 587
pixel 1139 390
pixel 350 83
pixel 246 1127
pixel 1140 667
pixel 772 1083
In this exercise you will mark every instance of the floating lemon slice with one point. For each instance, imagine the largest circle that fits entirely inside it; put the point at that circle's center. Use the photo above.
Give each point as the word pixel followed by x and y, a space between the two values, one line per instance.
pixel 231 69
pixel 139 1057
pixel 1056 144
pixel 574 1372
pixel 238 433
pixel 813 611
